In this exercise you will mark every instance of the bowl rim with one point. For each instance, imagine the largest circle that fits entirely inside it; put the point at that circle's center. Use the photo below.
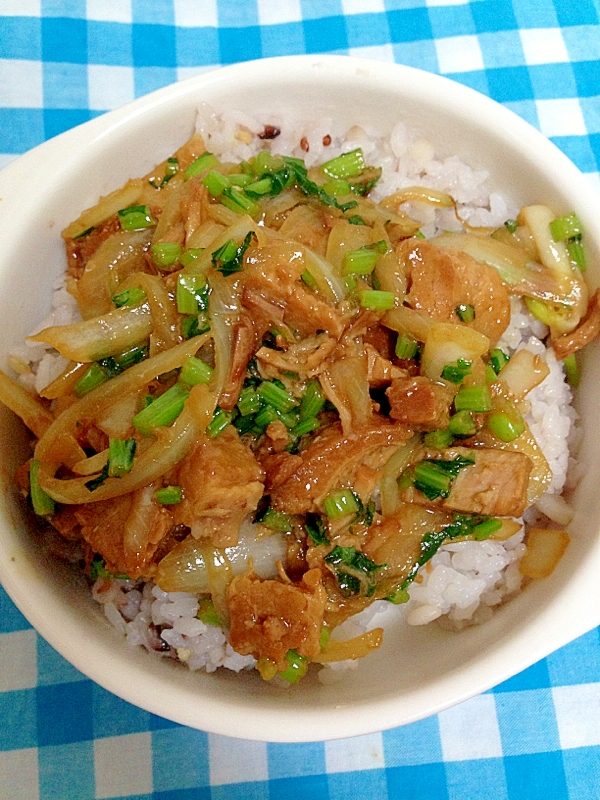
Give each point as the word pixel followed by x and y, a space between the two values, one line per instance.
pixel 129 678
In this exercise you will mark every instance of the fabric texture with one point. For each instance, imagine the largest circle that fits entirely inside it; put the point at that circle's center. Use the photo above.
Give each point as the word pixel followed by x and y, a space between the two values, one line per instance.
pixel 62 737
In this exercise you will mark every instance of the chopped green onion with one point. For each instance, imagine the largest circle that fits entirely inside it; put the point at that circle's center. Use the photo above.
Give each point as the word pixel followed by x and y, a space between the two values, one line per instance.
pixel 307 425
pixel 120 456
pixel 316 530
pixel 355 219
pixel 359 262
pixel 398 597
pixel 192 294
pixel 229 257
pixel 457 372
pixel 93 377
pixel 345 166
pixel 350 283
pixel 194 325
pixel 98 570
pixel 355 572
pixel 337 187
pixel 239 179
pixel 130 297
pixel 276 396
pixel 207 613
pixel 135 218
pixel 171 169
pixel 473 398
pixel 465 312
pixel 505 428
pixel 162 411
pixel 577 253
pixel 324 637
pixel 260 187
pixel 96 482
pixel 485 529
pixel 165 254
pixel 43 504
pixel 269 414
pixel 376 300
pixel 277 521
pixel 114 365
pixel 406 347
pixel 169 495
pixel 406 480
pixel 572 370
pixel 431 480
pixel 296 669
pixel 498 359
pixel 219 422
pixel 195 371
pixel 190 256
pixel 439 439
pixel 236 200
pixel 566 227
pixel 511 225
pixel 215 183
pixel 205 161
pixel 249 402
pixel 83 233
pixel 308 279
pixel 490 374
pixel 339 504
pixel 312 401
pixel 462 424
pixel 419 235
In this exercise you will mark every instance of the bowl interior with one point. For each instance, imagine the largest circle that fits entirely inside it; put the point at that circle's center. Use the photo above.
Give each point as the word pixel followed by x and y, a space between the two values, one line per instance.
pixel 418 671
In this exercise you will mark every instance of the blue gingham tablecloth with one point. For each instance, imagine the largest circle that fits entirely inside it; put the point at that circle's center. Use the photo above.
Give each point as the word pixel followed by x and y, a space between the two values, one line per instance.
pixel 62 737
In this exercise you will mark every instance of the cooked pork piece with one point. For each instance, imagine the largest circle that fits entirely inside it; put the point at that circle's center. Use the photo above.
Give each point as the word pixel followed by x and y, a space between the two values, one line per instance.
pixel 331 460
pixel 442 280
pixel 270 617
pixel 495 485
pixel 222 482
pixel 420 403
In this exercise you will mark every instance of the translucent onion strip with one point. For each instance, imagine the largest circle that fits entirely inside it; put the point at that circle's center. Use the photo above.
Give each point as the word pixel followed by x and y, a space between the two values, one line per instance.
pixel 162 308
pixel 359 647
pixel 33 413
pixel 108 206
pixel 169 448
pixel 107 335
pixel 99 401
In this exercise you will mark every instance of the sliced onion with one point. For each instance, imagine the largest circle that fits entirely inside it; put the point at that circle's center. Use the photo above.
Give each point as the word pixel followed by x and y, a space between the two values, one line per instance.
pixel 98 402
pixel 107 335
pixel 169 448
pixel 108 206
pixel 523 373
pixel 406 320
pixel 359 647
pixel 162 308
pixel 117 257
pixel 33 413
pixel 329 283
pixel 345 384
pixel 446 343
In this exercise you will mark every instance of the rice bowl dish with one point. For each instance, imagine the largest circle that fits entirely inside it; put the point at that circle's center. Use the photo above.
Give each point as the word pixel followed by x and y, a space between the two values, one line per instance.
pixel 457 583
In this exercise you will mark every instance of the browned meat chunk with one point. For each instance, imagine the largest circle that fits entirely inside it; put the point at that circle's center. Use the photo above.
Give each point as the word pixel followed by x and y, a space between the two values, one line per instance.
pixel 244 342
pixel 268 617
pixel 420 403
pixel 104 525
pixel 274 271
pixel 586 331
pixel 441 280
pixel 222 483
pixel 495 485
pixel 380 371
pixel 331 460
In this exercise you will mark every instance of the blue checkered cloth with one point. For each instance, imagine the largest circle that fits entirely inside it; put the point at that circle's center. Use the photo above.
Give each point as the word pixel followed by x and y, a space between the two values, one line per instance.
pixel 62 737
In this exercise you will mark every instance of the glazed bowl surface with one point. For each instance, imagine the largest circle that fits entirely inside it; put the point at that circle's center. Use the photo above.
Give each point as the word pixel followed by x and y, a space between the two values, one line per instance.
pixel 418 671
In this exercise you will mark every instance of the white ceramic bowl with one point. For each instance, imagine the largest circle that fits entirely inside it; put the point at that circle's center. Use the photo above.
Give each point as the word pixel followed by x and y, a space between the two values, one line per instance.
pixel 418 671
